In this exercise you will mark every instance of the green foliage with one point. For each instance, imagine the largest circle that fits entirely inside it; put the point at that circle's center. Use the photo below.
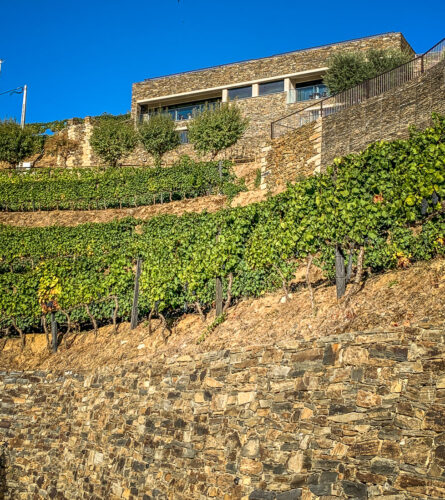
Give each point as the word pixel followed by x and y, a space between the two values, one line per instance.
pixel 374 199
pixel 59 125
pixel 111 139
pixel 84 188
pixel 257 182
pixel 16 143
pixel 42 127
pixel 214 130
pixel 347 69
pixel 158 136
pixel 380 60
pixel 215 323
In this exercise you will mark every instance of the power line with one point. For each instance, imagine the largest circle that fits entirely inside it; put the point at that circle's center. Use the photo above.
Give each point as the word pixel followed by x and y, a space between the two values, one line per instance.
pixel 17 90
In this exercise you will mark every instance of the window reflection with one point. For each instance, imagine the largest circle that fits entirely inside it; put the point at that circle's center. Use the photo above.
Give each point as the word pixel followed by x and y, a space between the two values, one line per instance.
pixel 240 93
pixel 271 87
pixel 313 90
pixel 179 112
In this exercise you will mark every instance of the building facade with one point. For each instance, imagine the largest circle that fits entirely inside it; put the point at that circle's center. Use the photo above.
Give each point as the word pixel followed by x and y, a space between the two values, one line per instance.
pixel 265 89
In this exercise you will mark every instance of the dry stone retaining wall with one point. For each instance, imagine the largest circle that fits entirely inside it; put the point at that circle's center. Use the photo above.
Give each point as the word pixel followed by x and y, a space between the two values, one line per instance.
pixel 385 117
pixel 296 154
pixel 351 416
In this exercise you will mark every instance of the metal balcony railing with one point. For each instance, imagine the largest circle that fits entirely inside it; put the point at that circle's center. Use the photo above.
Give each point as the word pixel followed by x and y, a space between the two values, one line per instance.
pixel 361 92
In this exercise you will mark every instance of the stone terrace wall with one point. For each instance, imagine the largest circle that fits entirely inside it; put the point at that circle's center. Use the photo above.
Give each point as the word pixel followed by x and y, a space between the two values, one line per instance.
pixel 293 155
pixel 385 117
pixel 352 416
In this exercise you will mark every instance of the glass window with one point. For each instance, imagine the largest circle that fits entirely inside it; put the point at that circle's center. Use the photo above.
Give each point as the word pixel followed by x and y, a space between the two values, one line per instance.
pixel 311 90
pixel 240 93
pixel 184 136
pixel 181 112
pixel 143 113
pixel 271 87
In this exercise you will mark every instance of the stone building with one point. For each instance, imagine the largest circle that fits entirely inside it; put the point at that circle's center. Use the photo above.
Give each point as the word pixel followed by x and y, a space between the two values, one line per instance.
pixel 265 89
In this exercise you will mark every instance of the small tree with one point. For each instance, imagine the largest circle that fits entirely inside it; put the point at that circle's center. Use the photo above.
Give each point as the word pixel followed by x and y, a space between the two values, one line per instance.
pixel 380 60
pixel 347 69
pixel 61 145
pixel 16 143
pixel 214 130
pixel 112 139
pixel 158 136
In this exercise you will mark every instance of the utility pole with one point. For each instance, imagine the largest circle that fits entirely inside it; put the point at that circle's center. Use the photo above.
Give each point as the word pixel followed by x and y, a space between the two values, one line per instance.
pixel 1 62
pixel 25 92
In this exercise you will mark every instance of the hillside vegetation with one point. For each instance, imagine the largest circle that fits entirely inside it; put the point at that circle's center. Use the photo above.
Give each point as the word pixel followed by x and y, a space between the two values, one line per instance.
pixel 102 188
pixel 382 207
pixel 396 299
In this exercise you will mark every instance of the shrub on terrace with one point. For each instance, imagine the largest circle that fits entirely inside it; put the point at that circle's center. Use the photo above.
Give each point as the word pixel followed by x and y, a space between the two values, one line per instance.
pixel 158 136
pixel 17 143
pixel 215 130
pixel 112 139
pixel 347 69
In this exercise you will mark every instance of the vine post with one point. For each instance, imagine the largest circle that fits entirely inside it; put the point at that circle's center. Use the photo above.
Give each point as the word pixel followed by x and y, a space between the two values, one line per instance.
pixel 134 309
pixel 340 272
pixel 54 331
pixel 218 296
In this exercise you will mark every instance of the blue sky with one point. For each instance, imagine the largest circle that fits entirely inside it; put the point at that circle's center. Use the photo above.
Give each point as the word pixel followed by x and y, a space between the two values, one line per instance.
pixel 80 57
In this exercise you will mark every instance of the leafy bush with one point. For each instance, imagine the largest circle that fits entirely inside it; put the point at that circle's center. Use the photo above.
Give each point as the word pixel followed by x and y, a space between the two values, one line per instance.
pixel 216 129
pixel 85 188
pixel 112 139
pixel 158 135
pixel 347 69
pixel 388 201
pixel 16 143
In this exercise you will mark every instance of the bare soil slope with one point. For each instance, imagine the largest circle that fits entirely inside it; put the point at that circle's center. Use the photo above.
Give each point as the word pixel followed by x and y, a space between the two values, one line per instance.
pixel 401 298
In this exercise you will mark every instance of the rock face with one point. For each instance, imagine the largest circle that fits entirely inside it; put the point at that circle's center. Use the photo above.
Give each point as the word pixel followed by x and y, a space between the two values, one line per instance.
pixel 354 416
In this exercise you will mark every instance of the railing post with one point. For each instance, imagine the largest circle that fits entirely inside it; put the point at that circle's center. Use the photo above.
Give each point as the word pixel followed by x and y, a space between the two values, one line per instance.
pixel 422 65
pixel 321 109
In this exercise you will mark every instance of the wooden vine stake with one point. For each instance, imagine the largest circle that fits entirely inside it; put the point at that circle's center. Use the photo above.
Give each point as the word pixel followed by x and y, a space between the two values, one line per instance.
pixel 134 309
pixel 54 331
pixel 218 287
pixel 340 272
pixel 218 296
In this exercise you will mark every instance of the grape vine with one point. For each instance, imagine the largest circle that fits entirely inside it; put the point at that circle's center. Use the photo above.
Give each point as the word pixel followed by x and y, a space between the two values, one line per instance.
pixel 385 206
pixel 98 188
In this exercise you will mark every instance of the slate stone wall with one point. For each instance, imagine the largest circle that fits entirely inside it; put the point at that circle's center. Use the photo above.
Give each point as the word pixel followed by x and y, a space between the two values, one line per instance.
pixel 262 110
pixel 291 156
pixel 268 67
pixel 385 117
pixel 354 416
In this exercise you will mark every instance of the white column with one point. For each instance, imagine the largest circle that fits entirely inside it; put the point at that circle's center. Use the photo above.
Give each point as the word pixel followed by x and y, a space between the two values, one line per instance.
pixel 287 84
pixel 289 87
pixel 255 90
pixel 225 95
